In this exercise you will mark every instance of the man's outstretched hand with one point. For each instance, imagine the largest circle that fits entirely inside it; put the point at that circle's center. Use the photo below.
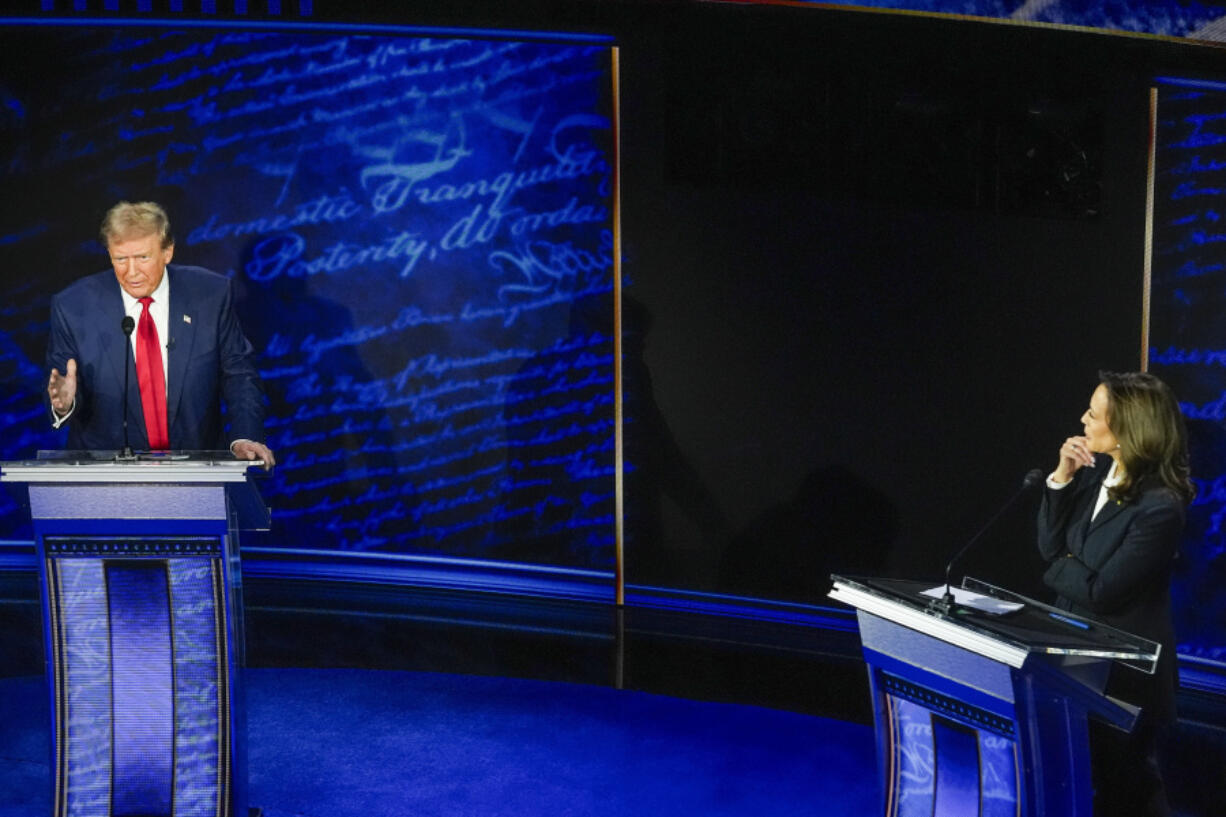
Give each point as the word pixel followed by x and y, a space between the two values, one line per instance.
pixel 62 388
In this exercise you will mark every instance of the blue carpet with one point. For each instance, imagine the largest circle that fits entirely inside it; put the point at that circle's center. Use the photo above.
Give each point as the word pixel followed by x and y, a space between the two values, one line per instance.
pixel 341 743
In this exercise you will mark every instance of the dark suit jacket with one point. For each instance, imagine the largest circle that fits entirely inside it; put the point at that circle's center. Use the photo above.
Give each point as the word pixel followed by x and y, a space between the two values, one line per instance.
pixel 1117 569
pixel 208 359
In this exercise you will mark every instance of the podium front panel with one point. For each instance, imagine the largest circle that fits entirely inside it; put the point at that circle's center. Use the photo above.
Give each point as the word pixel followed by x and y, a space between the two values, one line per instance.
pixel 141 680
pixel 143 629
pixel 983 715
pixel 978 766
pixel 942 745
pixel 128 502
pixel 988 682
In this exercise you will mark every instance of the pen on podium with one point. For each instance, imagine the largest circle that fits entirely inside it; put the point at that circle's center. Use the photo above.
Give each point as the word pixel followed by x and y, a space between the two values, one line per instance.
pixel 1074 622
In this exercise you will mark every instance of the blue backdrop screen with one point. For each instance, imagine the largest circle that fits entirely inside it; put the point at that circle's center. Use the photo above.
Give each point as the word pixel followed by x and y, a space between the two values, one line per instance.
pixel 419 231
pixel 1188 335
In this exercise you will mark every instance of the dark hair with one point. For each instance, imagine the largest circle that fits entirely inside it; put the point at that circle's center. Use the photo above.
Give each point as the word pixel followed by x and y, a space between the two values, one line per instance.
pixel 1144 416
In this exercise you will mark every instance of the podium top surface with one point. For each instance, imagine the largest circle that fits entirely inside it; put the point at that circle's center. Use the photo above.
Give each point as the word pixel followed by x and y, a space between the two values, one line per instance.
pixel 1035 628
pixel 179 467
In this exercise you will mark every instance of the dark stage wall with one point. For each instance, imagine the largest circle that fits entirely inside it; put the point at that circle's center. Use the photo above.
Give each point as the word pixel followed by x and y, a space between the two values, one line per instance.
pixel 872 266
pixel 875 303
pixel 881 261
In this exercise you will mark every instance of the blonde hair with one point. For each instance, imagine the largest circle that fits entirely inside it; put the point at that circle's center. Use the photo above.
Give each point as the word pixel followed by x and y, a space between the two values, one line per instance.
pixel 128 220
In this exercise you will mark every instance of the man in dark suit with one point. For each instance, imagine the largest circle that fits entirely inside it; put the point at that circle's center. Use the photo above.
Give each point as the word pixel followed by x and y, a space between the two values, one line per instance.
pixel 186 354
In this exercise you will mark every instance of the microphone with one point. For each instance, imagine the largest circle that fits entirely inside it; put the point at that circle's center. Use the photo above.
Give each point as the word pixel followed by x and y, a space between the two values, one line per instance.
pixel 1033 477
pixel 127 325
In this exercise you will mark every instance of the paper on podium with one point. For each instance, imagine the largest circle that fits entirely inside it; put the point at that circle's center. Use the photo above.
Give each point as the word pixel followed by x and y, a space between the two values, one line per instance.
pixel 976 601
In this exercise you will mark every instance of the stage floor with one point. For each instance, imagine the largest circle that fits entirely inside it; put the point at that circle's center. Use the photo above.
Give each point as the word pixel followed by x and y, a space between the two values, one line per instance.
pixel 373 700
pixel 369 743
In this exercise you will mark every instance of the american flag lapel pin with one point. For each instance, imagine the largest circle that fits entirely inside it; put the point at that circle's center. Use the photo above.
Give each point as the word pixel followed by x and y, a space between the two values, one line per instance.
pixel 187 318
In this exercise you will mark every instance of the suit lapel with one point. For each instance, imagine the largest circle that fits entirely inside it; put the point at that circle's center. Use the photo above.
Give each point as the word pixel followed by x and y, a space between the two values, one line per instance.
pixel 181 331
pixel 119 357
pixel 1111 510
pixel 1087 521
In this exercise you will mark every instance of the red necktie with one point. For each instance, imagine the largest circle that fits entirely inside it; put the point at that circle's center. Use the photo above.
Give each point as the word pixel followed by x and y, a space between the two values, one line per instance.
pixel 151 378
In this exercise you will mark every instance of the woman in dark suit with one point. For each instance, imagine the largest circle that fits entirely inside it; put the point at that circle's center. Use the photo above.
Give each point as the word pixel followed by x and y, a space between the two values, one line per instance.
pixel 1109 527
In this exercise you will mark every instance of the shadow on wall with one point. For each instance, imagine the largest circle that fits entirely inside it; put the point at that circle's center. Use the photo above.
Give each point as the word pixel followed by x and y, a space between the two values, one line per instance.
pixel 336 469
pixel 678 534
pixel 834 523
pixel 660 477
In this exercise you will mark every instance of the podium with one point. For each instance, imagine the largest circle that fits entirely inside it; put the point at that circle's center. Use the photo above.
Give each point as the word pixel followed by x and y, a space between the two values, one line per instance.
pixel 986 714
pixel 143 630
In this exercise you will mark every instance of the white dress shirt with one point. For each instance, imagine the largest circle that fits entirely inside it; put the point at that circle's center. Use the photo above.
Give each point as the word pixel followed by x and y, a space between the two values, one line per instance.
pixel 159 310
pixel 1112 479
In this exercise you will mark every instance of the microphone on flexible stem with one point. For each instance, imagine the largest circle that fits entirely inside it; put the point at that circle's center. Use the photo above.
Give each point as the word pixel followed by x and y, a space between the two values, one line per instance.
pixel 1033 477
pixel 127 325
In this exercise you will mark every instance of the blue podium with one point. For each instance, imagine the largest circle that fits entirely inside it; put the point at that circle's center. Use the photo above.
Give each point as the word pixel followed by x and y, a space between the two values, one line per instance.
pixel 142 618
pixel 986 714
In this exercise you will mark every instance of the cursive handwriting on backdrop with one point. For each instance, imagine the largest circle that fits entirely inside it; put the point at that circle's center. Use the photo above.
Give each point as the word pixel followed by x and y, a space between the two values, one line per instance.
pixel 420 237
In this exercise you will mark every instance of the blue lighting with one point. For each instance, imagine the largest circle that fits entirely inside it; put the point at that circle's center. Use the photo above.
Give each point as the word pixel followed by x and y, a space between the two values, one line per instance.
pixel 142 682
pixel 1184 82
pixel 419 228
pixel 311 27
pixel 1186 341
